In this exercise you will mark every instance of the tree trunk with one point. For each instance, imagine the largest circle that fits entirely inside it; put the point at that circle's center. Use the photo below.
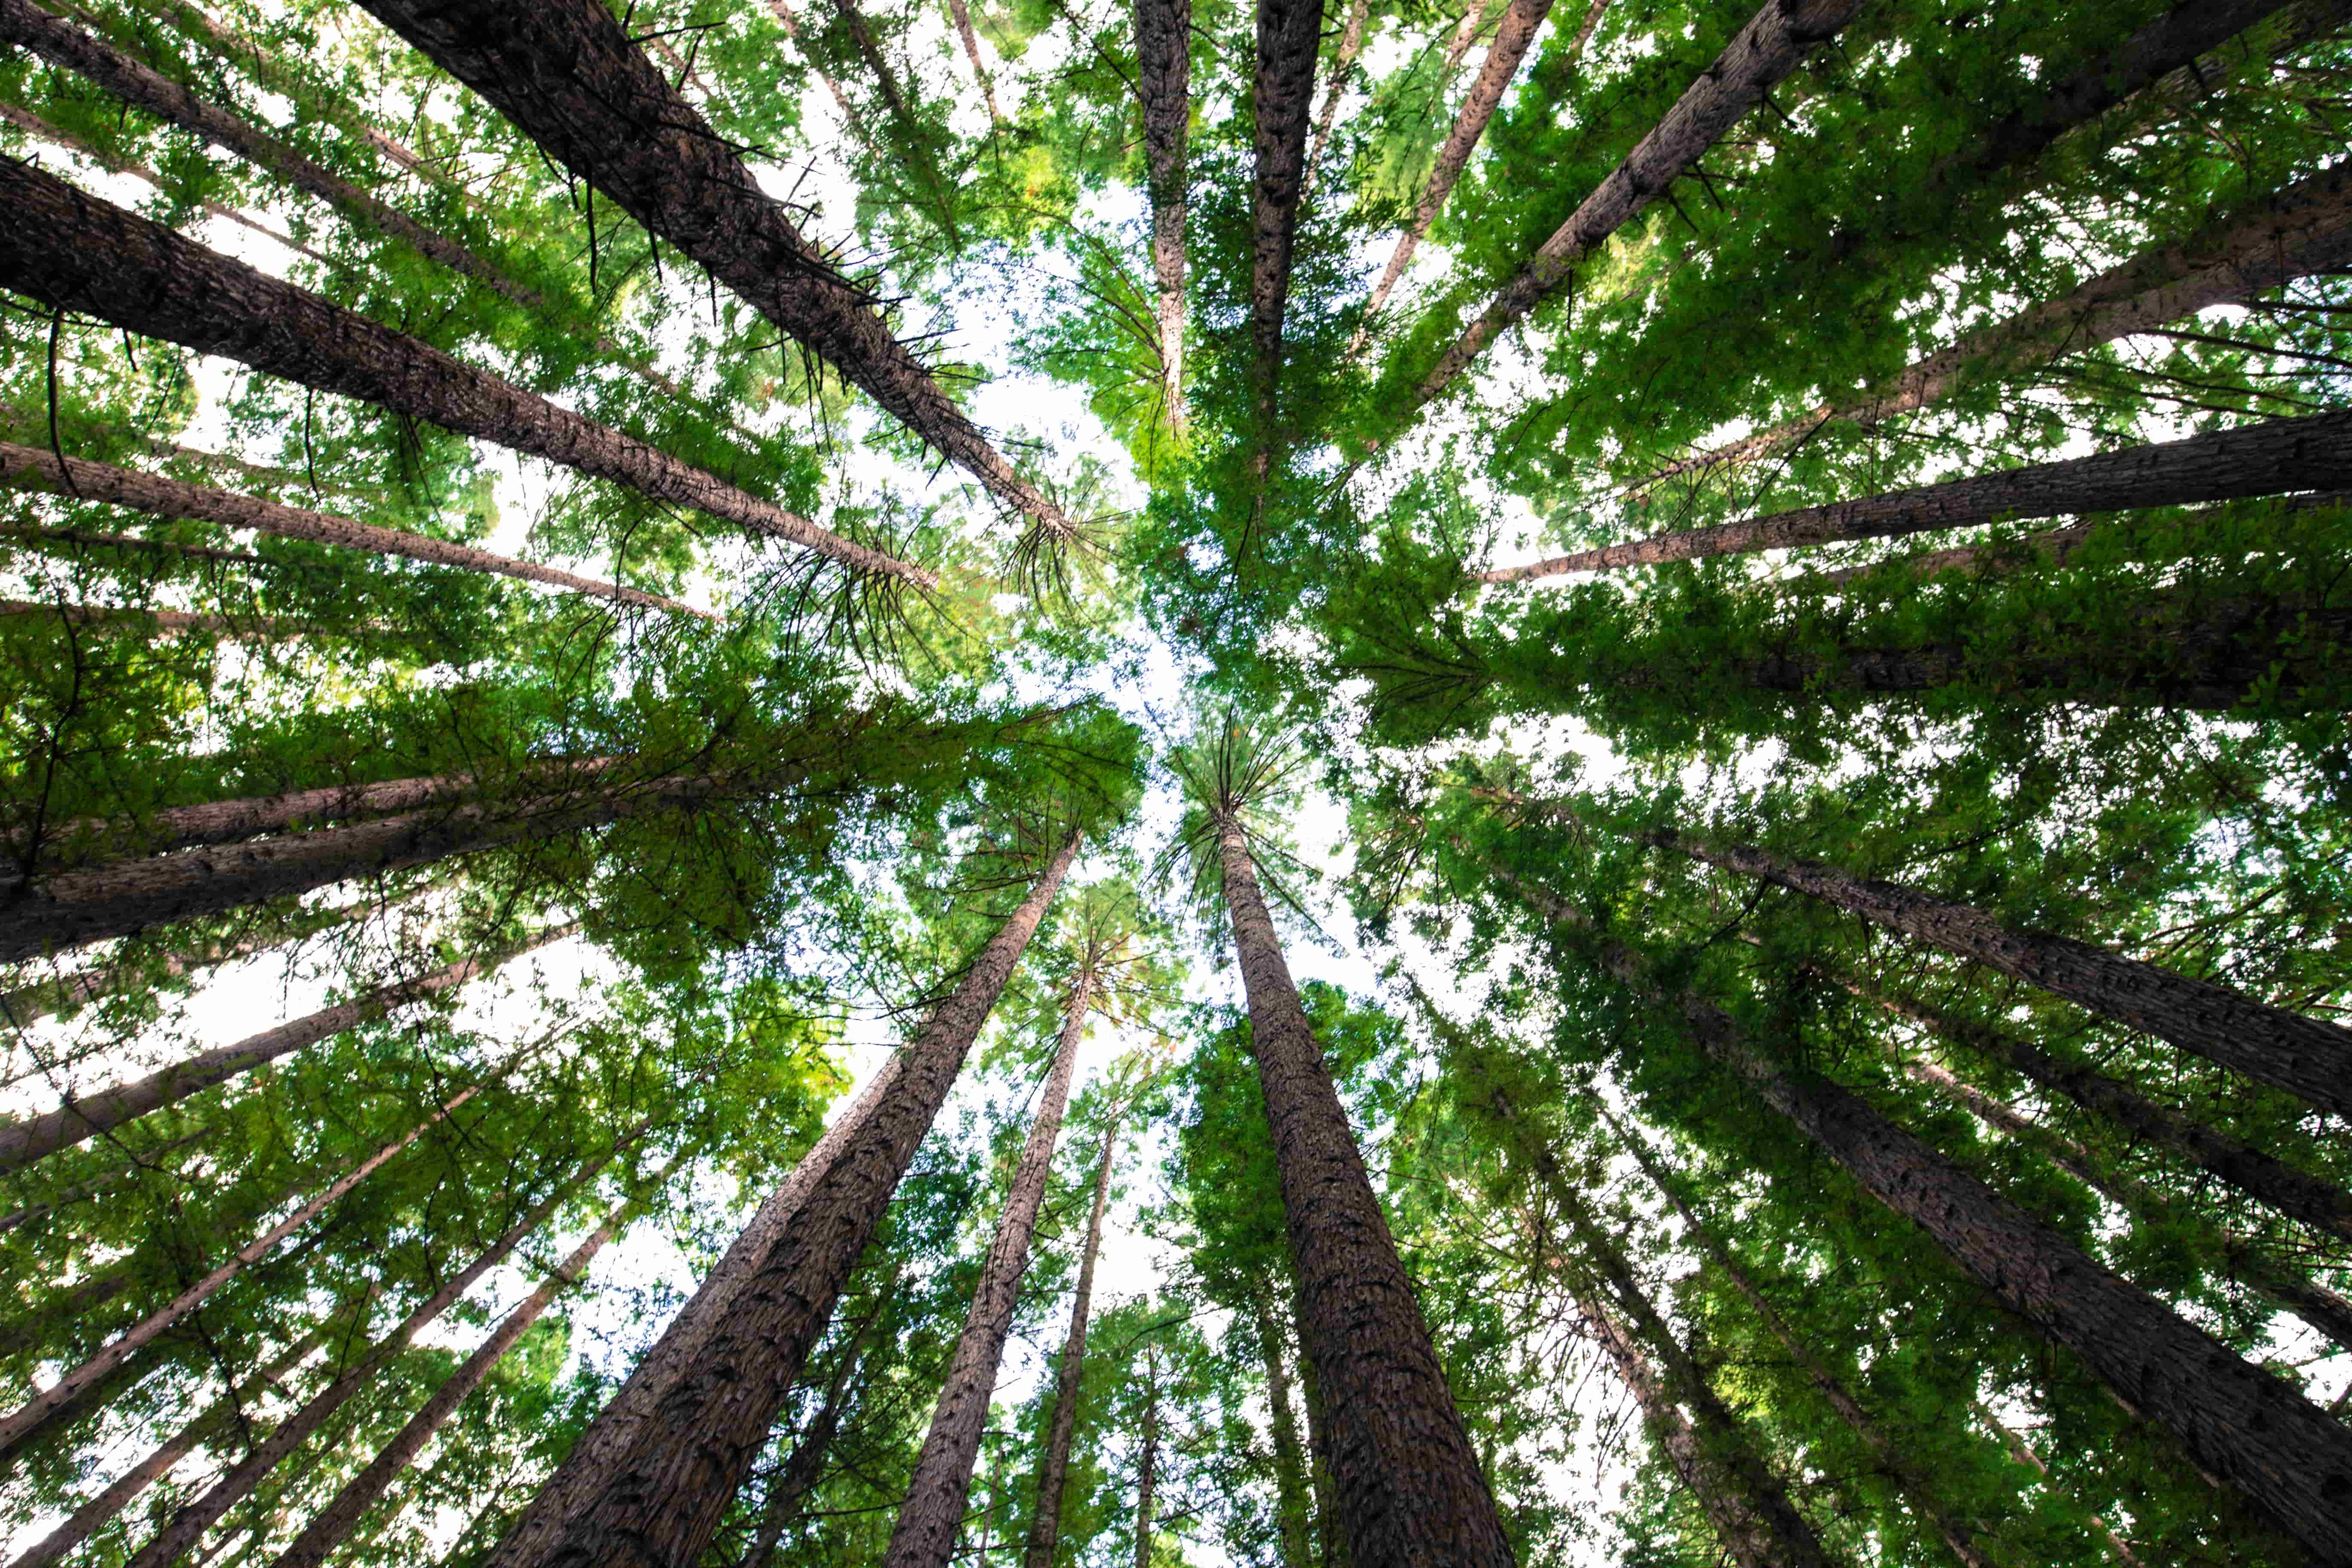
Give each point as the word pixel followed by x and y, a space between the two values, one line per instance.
pixel 333 1524
pixel 1289 1464
pixel 2315 1304
pixel 803 1471
pixel 1331 1530
pixel 962 14
pixel 661 1501
pixel 1763 52
pixel 30 469
pixel 791 23
pixel 2236 1421
pixel 1147 1473
pixel 78 253
pixel 933 1511
pixel 73 541
pixel 2273 458
pixel 2303 229
pixel 1054 1468
pixel 1164 87
pixel 1409 1488
pixel 1352 43
pixel 2025 1456
pixel 48 1403
pixel 1521 21
pixel 149 621
pixel 1918 1495
pixel 188 1526
pixel 204 1429
pixel 566 73
pixel 2301 1055
pixel 1289 34
pixel 79 1119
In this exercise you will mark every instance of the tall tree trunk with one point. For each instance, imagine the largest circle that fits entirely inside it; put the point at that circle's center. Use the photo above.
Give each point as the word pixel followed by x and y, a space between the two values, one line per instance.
pixel 661 1500
pixel 333 1524
pixel 31 469
pixel 1331 1530
pixel 2236 1421
pixel 1343 65
pixel 929 1519
pixel 1147 1473
pixel 188 1525
pixel 1163 86
pixel 2274 458
pixel 1918 1493
pixel 1289 1462
pixel 2303 229
pixel 790 1491
pixel 1289 34
pixel 2301 1055
pixel 78 253
pixel 79 1119
pixel 566 73
pixel 48 1404
pixel 961 12
pixel 1054 1468
pixel 1772 44
pixel 73 541
pixel 2024 1455
pixel 2315 1304
pixel 790 21
pixel 204 1429
pixel 1409 1488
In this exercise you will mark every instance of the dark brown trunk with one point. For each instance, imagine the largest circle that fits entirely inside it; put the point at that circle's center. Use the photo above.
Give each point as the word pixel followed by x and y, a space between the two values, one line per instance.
pixel 1409 1488
pixel 72 541
pixel 2274 458
pixel 932 1514
pixel 1054 1468
pixel 1764 51
pixel 2270 1044
pixel 74 251
pixel 1164 87
pixel 662 1501
pixel 566 73
pixel 1330 1531
pixel 788 1495
pixel 1343 65
pixel 31 469
pixel 1147 1473
pixel 1291 1487
pixel 1289 34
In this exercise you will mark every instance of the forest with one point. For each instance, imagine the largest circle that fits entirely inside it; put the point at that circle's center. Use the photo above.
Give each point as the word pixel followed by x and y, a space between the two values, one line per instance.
pixel 1160 783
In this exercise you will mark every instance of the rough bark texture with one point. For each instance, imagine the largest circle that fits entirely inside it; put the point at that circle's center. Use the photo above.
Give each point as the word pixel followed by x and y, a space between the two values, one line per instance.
pixel 1054 1468
pixel 1409 1488
pixel 80 1119
pixel 2274 458
pixel 610 1435
pixel 1163 86
pixel 1330 1531
pixel 54 995
pixel 2287 1050
pixel 31 469
pixel 2304 229
pixel 661 1500
pixel 806 1467
pixel 1290 1459
pixel 565 73
pixel 70 249
pixel 1764 51
pixel 932 1514
pixel 1146 1477
pixel 1289 32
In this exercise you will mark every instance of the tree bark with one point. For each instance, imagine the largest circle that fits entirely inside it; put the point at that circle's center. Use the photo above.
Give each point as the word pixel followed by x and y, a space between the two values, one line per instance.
pixel 932 1514
pixel 30 469
pixel 1289 1463
pixel 1289 34
pixel 962 14
pixel 803 1471
pixel 48 1403
pixel 1409 1488
pixel 1763 52
pixel 1163 88
pixel 2301 1055
pixel 1054 1468
pixel 2274 458
pixel 566 74
pixel 74 252
pixel 663 1499
pixel 1352 43
pixel 1331 1530
pixel 1146 1475
pixel 2303 229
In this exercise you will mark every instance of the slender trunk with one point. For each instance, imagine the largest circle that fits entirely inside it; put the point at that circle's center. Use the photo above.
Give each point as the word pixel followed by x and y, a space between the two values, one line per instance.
pixel 1290 1488
pixel 1763 52
pixel 124 619
pixel 31 469
pixel 936 1495
pixel 44 1405
pixel 2303 229
pixel 38 1325
pixel 20 423
pixel 85 1190
pixel 188 1526
pixel 333 1524
pixel 1164 87
pixel 2315 1304
pixel 1054 1468
pixel 1147 1473
pixel 204 1429
pixel 78 253
pixel 1918 1495
pixel 1352 43
pixel 79 1119
pixel 803 1471
pixel 791 23
pixel 2236 1421
pixel 2273 458
pixel 1521 23
pixel 962 14
pixel 661 1501
pixel 566 73
pixel 1289 34
pixel 916 142
pixel 2301 1055
pixel 76 539
pixel 2025 1456
pixel 1409 1488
